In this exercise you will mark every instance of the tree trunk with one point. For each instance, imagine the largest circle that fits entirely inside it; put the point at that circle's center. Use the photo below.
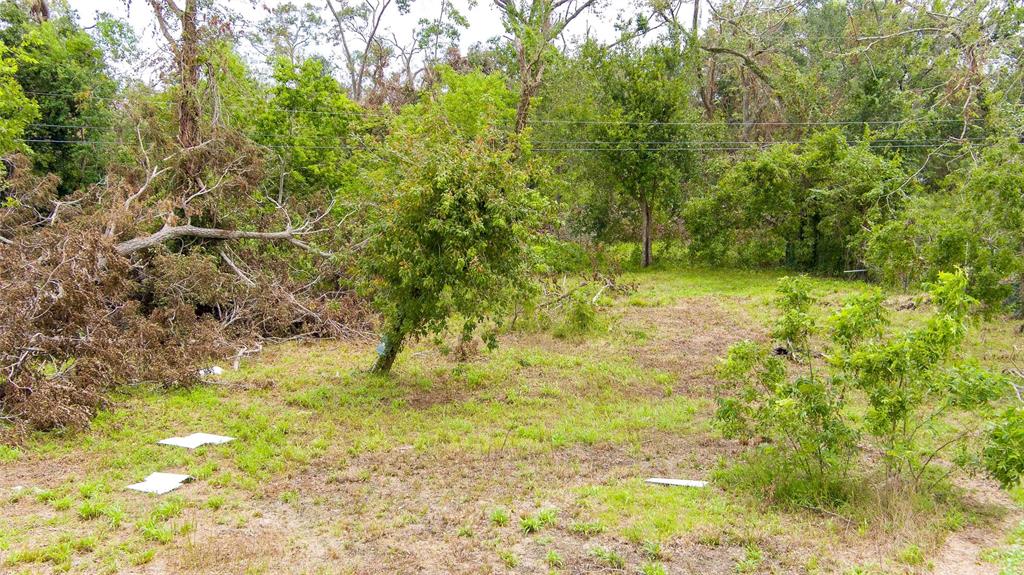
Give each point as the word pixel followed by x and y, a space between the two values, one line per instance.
pixel 530 75
pixel 645 237
pixel 523 109
pixel 388 352
pixel 188 103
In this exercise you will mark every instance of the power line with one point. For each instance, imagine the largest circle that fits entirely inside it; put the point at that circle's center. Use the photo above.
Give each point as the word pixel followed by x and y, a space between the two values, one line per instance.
pixel 769 143
pixel 672 146
pixel 738 124
pixel 707 148
pixel 365 112
pixel 344 138
pixel 357 111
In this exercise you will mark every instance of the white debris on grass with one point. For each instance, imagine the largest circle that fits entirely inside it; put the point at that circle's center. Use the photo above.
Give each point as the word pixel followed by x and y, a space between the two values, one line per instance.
pixel 215 370
pixel 195 440
pixel 160 483
pixel 677 482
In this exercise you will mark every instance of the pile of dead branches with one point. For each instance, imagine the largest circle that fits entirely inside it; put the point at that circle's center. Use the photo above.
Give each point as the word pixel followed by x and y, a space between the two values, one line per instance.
pixel 95 295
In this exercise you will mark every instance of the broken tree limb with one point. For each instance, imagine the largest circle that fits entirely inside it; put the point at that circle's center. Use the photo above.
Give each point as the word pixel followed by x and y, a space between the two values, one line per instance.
pixel 238 271
pixel 173 232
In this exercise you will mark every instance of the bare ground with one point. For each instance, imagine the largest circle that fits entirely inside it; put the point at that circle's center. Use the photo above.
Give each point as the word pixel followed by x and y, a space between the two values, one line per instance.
pixel 411 511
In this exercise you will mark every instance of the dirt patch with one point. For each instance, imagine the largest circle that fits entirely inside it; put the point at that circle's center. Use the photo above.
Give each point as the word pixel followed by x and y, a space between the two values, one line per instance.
pixel 39 474
pixel 961 553
pixel 687 338
pixel 409 511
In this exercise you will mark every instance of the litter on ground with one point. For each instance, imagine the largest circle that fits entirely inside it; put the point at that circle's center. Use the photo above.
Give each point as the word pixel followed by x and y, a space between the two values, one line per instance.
pixel 215 370
pixel 160 483
pixel 195 440
pixel 677 482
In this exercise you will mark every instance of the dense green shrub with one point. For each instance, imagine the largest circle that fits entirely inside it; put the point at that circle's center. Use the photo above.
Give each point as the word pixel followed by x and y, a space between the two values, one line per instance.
pixel 904 395
pixel 805 207
pixel 978 225
pixel 453 237
pixel 1004 451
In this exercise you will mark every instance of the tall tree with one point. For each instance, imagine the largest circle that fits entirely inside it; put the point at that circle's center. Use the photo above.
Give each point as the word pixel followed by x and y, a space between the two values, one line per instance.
pixel 185 48
pixel 288 31
pixel 358 30
pixel 643 132
pixel 16 110
pixel 64 71
pixel 532 26
pixel 200 186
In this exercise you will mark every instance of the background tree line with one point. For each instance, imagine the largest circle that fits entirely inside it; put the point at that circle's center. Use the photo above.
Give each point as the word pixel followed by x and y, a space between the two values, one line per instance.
pixel 258 189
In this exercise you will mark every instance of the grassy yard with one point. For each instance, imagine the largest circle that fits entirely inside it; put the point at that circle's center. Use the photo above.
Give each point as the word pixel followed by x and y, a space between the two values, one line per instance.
pixel 528 459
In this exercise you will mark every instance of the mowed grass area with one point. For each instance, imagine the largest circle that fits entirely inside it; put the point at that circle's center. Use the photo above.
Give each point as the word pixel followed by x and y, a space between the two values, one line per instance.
pixel 528 459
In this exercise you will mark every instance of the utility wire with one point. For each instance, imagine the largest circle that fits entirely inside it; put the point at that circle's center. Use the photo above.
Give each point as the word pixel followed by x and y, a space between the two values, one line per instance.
pixel 738 124
pixel 373 113
pixel 690 146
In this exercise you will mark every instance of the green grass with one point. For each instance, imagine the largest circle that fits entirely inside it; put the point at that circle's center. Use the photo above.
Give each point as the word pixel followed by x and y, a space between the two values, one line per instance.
pixel 8 454
pixel 500 517
pixel 1009 556
pixel 536 522
pixel 59 554
pixel 92 509
pixel 539 403
pixel 609 557
pixel 643 512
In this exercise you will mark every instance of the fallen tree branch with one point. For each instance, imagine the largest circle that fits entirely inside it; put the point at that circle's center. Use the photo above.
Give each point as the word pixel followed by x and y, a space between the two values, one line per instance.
pixel 241 275
pixel 172 232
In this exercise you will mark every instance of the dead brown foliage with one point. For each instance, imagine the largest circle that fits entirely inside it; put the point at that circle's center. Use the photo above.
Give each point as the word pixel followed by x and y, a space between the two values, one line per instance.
pixel 80 318
pixel 71 328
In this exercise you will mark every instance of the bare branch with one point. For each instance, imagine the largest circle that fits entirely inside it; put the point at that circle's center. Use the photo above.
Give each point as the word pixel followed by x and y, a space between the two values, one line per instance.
pixel 747 60
pixel 173 232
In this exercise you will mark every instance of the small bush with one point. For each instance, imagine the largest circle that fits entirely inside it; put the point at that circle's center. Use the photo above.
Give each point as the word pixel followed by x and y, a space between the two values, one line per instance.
pixel 580 316
pixel 909 382
pixel 1004 451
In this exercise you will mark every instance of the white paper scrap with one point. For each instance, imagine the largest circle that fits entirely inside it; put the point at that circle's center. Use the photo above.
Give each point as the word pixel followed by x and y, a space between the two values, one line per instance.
pixel 160 483
pixel 195 440
pixel 677 482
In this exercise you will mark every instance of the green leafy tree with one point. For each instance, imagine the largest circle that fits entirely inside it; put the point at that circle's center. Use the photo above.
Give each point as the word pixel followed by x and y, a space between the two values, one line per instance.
pixel 805 207
pixel 310 127
pixel 976 222
pixel 16 110
pixel 456 215
pixel 642 133
pixel 62 68
pixel 533 26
